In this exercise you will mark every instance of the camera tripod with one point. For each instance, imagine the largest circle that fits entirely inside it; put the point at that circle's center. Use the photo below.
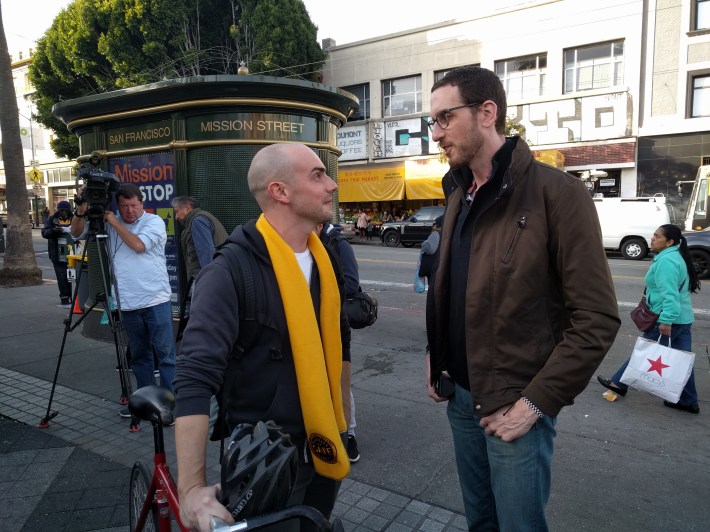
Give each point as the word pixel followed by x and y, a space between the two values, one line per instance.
pixel 105 293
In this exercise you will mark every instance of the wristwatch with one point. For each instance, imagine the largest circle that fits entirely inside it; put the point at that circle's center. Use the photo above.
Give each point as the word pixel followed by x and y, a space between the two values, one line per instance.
pixel 76 213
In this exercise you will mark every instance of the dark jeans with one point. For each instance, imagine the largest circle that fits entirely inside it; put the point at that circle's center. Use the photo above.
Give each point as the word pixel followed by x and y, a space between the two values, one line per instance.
pixel 60 270
pixel 150 332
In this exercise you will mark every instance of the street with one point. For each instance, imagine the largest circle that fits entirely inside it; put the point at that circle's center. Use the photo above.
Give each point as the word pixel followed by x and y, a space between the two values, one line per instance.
pixel 616 465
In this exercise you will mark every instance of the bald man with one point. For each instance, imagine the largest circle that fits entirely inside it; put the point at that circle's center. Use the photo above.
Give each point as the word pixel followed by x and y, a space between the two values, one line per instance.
pixel 292 188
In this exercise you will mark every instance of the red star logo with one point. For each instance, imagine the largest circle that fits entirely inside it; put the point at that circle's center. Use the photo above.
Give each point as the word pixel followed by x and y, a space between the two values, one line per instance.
pixel 657 365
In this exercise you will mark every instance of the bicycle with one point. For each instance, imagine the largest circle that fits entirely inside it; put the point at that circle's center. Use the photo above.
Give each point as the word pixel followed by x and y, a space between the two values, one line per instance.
pixel 153 503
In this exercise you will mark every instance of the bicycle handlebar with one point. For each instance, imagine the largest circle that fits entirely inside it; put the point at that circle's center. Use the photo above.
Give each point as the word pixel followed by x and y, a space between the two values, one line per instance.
pixel 292 512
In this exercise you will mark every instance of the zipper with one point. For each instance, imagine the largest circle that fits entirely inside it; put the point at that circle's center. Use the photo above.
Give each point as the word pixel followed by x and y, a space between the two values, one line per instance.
pixel 521 223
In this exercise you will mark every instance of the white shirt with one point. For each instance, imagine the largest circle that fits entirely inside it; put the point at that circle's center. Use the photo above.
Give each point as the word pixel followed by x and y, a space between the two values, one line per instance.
pixel 142 278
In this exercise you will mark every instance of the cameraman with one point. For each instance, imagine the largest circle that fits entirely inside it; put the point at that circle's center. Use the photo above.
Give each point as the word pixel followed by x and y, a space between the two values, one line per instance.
pixel 137 249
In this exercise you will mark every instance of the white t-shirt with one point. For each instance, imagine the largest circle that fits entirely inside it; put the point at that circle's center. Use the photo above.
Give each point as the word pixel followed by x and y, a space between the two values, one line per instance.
pixel 142 278
pixel 305 261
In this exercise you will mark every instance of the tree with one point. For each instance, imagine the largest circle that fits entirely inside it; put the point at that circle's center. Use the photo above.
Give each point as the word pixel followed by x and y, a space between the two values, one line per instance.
pixel 19 265
pixel 95 47
pixel 513 128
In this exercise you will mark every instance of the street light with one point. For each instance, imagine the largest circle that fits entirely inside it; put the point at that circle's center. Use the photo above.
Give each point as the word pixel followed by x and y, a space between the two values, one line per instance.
pixel 33 162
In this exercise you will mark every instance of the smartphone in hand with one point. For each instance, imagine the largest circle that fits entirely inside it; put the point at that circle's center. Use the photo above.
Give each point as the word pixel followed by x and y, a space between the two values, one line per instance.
pixel 444 387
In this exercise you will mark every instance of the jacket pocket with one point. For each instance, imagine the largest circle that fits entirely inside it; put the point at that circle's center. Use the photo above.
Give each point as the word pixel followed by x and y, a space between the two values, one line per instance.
pixel 520 224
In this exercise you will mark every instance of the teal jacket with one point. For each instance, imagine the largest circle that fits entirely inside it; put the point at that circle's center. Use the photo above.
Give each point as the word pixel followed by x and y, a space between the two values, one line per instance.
pixel 668 288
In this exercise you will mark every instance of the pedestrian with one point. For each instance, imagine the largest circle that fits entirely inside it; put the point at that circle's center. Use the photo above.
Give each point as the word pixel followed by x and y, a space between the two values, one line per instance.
pixel 56 231
pixel 201 233
pixel 669 282
pixel 361 224
pixel 430 246
pixel 331 236
pixel 521 309
pixel 45 214
pixel 291 372
pixel 136 245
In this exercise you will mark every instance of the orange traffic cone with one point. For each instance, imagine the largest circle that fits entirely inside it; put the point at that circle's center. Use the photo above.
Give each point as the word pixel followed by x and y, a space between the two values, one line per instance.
pixel 77 309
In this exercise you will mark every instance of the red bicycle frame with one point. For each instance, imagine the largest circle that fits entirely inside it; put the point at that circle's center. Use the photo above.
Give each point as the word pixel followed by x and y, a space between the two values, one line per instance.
pixel 162 494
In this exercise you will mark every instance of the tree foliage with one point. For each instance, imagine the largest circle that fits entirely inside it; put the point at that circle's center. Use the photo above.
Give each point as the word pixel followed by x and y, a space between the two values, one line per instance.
pixel 513 128
pixel 95 46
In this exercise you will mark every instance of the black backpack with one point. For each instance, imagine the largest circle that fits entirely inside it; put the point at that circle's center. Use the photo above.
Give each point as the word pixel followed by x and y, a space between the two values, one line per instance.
pixel 250 295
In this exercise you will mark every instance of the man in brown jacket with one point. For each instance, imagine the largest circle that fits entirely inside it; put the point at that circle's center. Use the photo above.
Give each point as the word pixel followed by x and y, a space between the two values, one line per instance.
pixel 522 308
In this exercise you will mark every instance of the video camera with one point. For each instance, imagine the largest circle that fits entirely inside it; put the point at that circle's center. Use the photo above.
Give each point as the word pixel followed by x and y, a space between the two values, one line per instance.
pixel 99 187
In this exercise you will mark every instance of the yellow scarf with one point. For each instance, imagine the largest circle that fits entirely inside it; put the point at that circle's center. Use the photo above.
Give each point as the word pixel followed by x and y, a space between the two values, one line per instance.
pixel 317 354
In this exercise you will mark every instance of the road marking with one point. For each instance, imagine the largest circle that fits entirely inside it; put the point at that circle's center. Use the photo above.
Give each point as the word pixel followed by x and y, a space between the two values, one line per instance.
pixel 621 304
pixel 386 261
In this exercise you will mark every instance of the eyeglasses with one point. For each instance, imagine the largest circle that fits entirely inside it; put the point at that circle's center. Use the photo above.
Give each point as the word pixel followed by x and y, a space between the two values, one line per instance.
pixel 445 115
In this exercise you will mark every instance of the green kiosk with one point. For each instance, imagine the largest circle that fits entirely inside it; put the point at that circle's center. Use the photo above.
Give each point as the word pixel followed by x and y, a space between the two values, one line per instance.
pixel 197 137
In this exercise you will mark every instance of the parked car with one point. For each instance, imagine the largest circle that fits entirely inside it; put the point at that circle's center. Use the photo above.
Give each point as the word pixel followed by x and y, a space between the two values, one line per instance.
pixel 413 230
pixel 347 229
pixel 699 247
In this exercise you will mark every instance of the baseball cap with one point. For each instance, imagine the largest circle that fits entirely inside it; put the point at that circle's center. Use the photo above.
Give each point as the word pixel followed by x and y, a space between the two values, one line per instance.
pixel 64 205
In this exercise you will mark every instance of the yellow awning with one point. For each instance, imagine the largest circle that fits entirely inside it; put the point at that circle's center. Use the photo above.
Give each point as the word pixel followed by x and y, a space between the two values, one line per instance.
pixel 423 179
pixel 370 183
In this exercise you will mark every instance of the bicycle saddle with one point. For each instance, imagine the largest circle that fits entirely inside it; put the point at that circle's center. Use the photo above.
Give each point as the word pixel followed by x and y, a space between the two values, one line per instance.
pixel 153 403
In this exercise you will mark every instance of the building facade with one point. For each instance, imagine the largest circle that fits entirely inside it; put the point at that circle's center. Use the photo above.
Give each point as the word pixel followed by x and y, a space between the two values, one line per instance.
pixel 580 77
pixel 674 129
pixel 50 179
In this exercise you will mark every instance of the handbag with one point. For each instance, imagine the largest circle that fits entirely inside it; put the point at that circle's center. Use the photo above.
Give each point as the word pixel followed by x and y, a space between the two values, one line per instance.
pixel 361 310
pixel 644 318
pixel 658 370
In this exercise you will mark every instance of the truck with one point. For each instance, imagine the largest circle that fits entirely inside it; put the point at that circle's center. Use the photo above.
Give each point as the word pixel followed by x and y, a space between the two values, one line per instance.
pixel 628 223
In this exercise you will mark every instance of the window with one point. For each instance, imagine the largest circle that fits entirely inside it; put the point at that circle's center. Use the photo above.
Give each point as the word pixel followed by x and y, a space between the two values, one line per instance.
pixel 523 77
pixel 402 96
pixel 700 97
pixel 441 73
pixel 363 94
pixel 701 18
pixel 594 67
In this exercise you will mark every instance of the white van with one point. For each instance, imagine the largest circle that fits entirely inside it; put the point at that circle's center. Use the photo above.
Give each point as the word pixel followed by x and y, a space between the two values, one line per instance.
pixel 628 223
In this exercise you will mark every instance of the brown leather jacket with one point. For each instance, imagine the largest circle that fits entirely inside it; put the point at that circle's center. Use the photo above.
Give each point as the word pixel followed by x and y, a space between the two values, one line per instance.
pixel 540 309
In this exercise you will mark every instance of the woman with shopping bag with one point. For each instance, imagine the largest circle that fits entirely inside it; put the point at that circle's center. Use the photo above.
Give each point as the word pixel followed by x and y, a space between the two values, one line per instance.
pixel 669 282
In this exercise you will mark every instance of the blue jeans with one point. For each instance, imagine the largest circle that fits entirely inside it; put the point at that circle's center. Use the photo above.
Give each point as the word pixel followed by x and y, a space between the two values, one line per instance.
pixel 505 485
pixel 150 330
pixel 680 339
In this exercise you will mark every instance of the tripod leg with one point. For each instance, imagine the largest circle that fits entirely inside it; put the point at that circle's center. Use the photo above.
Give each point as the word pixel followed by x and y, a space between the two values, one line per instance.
pixel 44 422
pixel 114 320
pixel 115 323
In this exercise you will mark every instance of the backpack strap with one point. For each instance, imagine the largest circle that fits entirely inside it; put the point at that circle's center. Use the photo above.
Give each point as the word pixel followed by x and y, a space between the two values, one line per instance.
pixel 250 293
pixel 250 298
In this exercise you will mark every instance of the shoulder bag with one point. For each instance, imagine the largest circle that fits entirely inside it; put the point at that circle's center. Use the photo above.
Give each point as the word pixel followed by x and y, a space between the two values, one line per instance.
pixel 644 318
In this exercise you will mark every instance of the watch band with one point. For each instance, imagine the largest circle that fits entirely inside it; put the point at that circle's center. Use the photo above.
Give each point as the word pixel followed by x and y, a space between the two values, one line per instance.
pixel 533 407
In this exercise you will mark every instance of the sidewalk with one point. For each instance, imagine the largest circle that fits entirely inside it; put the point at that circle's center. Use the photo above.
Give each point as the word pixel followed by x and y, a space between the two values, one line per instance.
pixel 74 475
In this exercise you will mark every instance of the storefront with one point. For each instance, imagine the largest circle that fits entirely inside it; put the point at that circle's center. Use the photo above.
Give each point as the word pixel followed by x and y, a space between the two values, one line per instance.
pixel 390 189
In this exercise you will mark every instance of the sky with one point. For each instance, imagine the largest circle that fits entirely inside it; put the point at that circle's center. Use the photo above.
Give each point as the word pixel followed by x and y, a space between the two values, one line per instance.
pixel 26 21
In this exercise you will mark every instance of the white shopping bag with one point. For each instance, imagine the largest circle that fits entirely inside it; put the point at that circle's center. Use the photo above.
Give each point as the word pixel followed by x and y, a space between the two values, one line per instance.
pixel 657 369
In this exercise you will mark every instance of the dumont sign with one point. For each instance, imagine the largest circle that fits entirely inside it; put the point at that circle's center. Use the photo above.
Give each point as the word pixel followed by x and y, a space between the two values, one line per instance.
pixel 353 142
